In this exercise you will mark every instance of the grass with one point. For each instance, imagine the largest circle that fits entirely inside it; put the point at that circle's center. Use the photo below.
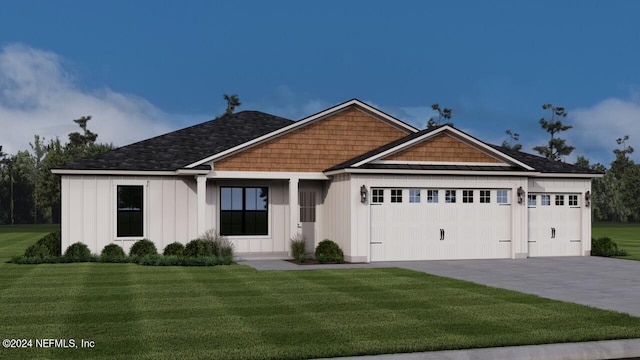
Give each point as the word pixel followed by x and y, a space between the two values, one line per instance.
pixel 235 312
pixel 626 235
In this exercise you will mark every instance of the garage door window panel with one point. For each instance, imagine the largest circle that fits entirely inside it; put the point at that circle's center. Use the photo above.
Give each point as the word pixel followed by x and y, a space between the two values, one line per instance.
pixel 396 195
pixel 502 196
pixel 545 200
pixel 532 200
pixel 377 196
pixel 485 196
pixel 450 196
pixel 432 196
pixel 573 200
pixel 559 200
pixel 467 196
pixel 414 196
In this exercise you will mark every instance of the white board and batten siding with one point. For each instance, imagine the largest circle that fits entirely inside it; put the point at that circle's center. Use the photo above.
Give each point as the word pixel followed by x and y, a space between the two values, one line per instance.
pixel 170 212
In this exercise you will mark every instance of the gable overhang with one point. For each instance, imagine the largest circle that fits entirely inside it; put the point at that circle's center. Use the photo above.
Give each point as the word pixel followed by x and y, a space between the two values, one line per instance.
pixel 448 129
pixel 306 121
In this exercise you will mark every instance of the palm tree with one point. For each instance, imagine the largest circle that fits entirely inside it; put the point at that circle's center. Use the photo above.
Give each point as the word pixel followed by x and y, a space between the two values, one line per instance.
pixel 232 102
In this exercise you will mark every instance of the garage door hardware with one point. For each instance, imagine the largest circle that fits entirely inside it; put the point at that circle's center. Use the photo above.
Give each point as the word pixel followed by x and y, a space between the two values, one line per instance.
pixel 553 233
pixel 441 234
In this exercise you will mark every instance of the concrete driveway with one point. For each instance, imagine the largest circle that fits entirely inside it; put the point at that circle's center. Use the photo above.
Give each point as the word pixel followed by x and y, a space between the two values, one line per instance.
pixel 610 284
pixel 604 283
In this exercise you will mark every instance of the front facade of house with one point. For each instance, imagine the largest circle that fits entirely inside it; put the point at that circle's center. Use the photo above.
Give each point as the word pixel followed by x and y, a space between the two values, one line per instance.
pixel 381 189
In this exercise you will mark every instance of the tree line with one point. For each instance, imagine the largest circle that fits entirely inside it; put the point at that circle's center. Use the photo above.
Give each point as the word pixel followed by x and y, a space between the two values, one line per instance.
pixel 30 193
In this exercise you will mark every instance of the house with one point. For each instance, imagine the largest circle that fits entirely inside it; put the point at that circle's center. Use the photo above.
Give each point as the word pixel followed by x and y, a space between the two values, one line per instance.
pixel 380 188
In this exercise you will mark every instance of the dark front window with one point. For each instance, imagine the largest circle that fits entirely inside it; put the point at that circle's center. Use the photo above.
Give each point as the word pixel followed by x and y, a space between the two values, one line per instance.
pixel 130 211
pixel 244 211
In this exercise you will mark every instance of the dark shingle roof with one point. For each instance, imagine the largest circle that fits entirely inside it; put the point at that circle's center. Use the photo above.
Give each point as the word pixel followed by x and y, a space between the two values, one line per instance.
pixel 177 149
pixel 545 165
pixel 540 164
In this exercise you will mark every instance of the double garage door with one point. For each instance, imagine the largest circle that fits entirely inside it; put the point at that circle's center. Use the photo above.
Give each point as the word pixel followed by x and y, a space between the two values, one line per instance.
pixel 433 224
pixel 554 225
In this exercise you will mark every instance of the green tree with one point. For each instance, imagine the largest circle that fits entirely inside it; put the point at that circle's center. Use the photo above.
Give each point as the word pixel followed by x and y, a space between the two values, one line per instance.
pixel 623 178
pixel 38 152
pixel 232 103
pixel 509 144
pixel 443 114
pixel 556 147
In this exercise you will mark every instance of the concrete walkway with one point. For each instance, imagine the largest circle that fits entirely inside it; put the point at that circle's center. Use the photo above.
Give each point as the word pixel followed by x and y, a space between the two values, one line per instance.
pixel 604 283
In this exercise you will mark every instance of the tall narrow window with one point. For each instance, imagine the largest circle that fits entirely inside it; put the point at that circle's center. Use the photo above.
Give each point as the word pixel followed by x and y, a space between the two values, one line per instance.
pixel 307 206
pixel 396 195
pixel 130 211
pixel 244 211
pixel 467 196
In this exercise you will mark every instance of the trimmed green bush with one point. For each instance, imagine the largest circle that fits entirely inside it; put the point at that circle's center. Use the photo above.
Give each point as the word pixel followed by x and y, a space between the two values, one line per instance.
pixel 143 247
pixel 298 247
pixel 48 246
pixel 328 251
pixel 603 246
pixel 112 251
pixel 198 247
pixel 175 249
pixel 77 252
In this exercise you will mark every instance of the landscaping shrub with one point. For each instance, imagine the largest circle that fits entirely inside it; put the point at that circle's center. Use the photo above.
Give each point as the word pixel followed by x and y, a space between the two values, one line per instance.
pixel 198 247
pixel 221 246
pixel 172 260
pixel 48 246
pixel 143 247
pixel 175 249
pixel 77 252
pixel 329 251
pixel 606 247
pixel 298 246
pixel 112 251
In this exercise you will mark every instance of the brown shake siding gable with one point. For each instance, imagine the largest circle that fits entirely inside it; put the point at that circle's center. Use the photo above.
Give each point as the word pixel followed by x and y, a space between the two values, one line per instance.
pixel 317 146
pixel 442 148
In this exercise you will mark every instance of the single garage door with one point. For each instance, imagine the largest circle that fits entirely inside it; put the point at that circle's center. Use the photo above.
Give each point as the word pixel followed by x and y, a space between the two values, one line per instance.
pixel 554 225
pixel 436 224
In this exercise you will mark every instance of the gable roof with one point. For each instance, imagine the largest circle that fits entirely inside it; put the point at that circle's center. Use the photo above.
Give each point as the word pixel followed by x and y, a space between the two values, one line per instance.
pixel 515 160
pixel 308 120
pixel 176 150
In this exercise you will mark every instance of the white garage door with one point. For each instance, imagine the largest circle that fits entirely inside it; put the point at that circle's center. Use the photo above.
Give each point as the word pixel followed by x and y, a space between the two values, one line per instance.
pixel 434 224
pixel 554 225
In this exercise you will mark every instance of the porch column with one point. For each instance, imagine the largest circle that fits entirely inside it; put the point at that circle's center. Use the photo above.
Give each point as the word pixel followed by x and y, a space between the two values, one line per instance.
pixel 294 209
pixel 202 201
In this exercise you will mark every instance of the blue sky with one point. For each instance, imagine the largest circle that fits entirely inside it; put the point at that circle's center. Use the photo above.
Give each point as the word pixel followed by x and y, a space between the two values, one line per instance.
pixel 142 68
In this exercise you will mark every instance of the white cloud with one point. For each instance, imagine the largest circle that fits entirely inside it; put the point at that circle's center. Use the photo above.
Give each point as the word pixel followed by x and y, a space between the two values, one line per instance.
pixel 596 129
pixel 39 96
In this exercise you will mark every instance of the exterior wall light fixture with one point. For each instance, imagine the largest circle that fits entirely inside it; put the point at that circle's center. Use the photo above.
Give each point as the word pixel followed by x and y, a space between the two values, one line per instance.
pixel 520 195
pixel 363 194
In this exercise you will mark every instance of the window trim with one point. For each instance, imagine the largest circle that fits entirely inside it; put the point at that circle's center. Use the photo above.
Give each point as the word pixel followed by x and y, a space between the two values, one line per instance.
pixel 145 210
pixel 269 210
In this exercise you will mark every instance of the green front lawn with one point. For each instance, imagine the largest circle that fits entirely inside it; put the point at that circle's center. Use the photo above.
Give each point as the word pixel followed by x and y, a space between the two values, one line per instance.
pixel 227 312
pixel 626 235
